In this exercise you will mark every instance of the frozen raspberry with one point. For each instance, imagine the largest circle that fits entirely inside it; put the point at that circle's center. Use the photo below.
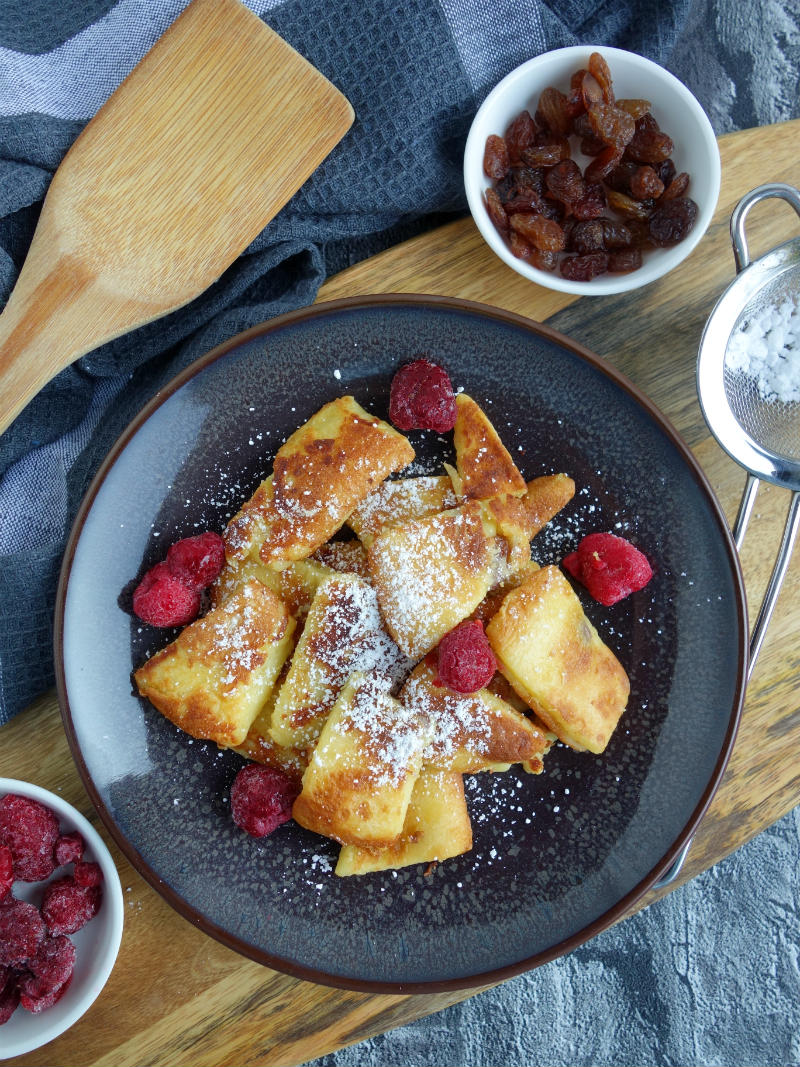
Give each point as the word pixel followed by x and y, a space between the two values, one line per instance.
pixel 261 799
pixel 30 830
pixel 9 994
pixel 466 660
pixel 609 566
pixel 197 561
pixel 164 600
pixel 53 963
pixel 69 848
pixel 21 931
pixel 422 398
pixel 6 870
pixel 67 906
pixel 87 873
pixel 35 996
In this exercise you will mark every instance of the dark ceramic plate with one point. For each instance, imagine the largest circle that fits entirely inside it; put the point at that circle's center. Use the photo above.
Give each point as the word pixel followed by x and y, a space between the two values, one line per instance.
pixel 556 857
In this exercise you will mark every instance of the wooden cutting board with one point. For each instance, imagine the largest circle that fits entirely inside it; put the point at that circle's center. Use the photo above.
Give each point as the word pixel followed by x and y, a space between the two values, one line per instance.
pixel 175 995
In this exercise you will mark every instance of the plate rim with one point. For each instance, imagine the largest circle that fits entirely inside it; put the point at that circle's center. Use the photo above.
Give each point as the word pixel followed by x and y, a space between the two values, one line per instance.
pixel 299 970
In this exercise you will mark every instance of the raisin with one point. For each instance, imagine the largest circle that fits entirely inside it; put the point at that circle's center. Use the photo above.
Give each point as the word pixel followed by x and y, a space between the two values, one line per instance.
pixel 262 799
pixel 677 187
pixel 616 234
pixel 611 125
pixel 422 398
pixel 624 260
pixel 610 567
pixel 648 144
pixel 542 259
pixel 590 146
pixel 555 112
pixel 671 222
pixel 591 90
pixel 198 560
pixel 544 234
pixel 635 108
pixel 582 127
pixel 645 183
pixel 666 170
pixel 30 831
pixel 496 212
pixel 627 206
pixel 465 658
pixel 587 237
pixel 584 268
pixel 619 177
pixel 496 163
pixel 521 248
pixel 546 151
pixel 592 204
pixel 565 182
pixel 519 136
pixel 599 68
pixel 603 164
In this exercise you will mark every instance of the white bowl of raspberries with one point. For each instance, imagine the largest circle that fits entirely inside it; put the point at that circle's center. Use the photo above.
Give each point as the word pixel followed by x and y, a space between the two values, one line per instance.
pixel 60 916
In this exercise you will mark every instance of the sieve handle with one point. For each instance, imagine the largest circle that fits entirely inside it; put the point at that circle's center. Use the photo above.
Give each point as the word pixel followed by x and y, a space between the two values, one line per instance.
pixel 779 569
pixel 742 209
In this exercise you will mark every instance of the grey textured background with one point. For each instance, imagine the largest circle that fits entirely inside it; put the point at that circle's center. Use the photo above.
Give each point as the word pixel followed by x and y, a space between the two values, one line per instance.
pixel 710 974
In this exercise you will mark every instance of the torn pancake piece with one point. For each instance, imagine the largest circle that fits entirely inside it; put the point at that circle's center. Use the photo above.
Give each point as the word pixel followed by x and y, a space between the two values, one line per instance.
pixel 437 827
pixel 483 463
pixel 397 500
pixel 474 731
pixel 431 573
pixel 324 469
pixel 555 660
pixel 215 677
pixel 359 780
pixel 344 633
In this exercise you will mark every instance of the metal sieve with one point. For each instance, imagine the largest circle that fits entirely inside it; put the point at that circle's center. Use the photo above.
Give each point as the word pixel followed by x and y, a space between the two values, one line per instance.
pixel 760 432
pixel 762 435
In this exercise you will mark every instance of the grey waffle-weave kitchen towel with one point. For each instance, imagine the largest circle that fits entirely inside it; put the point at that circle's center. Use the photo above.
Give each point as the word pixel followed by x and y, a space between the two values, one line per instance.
pixel 415 74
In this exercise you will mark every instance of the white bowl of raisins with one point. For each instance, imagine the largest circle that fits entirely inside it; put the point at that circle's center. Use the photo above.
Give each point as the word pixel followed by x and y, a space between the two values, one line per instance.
pixel 591 170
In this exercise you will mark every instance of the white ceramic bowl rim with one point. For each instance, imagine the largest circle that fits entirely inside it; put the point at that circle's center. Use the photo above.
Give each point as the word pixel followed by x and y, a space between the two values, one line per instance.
pixel 24 1031
pixel 524 83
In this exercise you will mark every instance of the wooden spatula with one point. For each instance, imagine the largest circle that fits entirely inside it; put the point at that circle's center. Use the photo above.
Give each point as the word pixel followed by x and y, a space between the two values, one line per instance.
pixel 183 166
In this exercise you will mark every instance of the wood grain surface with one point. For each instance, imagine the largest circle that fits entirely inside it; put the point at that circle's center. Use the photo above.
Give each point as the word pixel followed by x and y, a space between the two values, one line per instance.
pixel 176 996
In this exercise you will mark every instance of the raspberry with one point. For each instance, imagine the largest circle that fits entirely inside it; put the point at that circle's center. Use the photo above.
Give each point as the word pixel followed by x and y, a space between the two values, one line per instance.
pixel 87 874
pixel 67 906
pixel 21 931
pixel 30 830
pixel 161 599
pixel 6 871
pixel 52 965
pixel 261 799
pixel 609 566
pixel 34 998
pixel 422 398
pixel 197 561
pixel 9 994
pixel 466 660
pixel 69 848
